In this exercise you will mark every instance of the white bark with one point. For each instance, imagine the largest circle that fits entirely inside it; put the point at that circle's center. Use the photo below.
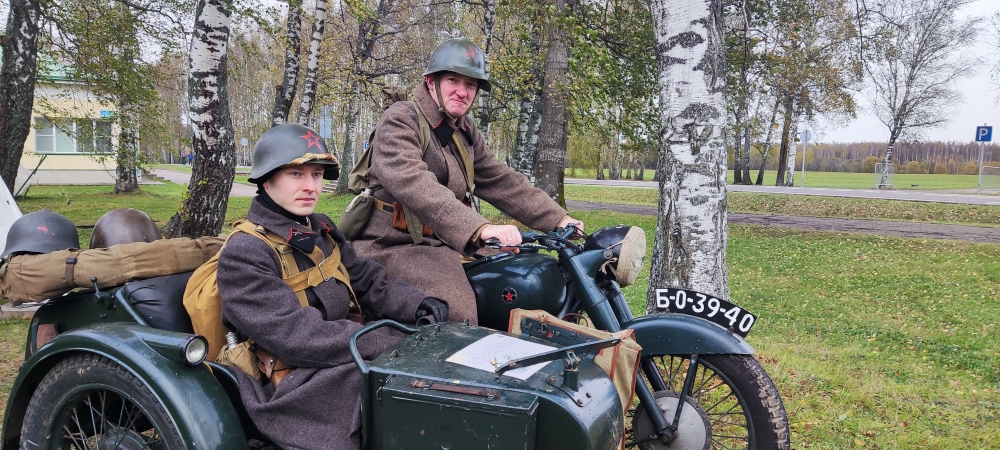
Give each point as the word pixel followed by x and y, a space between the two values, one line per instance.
pixel 690 242
pixel 312 65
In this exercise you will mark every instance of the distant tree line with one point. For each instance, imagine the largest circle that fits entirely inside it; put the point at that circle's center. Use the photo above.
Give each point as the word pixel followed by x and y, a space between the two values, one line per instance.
pixel 956 158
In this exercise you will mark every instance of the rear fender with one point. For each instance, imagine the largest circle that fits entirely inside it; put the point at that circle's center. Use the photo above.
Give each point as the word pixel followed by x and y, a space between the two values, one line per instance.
pixel 191 396
pixel 678 334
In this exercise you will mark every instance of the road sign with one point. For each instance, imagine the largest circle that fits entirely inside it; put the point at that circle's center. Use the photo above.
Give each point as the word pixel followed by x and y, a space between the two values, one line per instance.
pixel 984 134
pixel 105 114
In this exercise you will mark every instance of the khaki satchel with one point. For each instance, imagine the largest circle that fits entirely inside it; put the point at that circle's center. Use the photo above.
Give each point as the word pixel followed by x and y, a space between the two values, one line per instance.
pixel 35 278
pixel 621 362
pixel 203 301
pixel 356 215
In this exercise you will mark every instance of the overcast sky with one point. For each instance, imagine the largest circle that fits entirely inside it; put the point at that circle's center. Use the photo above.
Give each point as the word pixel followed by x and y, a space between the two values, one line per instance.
pixel 979 106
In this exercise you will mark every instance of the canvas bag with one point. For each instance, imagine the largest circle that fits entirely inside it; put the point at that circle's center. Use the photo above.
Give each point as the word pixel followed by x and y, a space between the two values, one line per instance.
pixel 203 301
pixel 35 278
pixel 621 362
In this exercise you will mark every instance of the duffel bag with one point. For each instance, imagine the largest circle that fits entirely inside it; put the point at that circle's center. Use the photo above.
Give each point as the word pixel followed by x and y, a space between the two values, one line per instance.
pixel 34 278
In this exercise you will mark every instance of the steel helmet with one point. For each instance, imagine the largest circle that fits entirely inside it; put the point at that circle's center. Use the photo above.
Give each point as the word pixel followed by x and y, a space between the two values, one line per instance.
pixel 624 248
pixel 123 226
pixel 290 144
pixel 41 231
pixel 461 56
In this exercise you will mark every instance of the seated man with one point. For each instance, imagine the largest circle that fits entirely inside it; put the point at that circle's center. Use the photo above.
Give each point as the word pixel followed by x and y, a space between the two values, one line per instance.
pixel 312 397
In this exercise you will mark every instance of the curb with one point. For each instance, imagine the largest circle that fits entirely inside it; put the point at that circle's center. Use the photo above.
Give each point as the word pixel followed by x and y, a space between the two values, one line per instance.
pixel 9 311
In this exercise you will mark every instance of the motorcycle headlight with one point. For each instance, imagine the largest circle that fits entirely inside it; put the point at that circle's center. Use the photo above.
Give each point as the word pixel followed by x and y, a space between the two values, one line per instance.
pixel 624 248
pixel 195 350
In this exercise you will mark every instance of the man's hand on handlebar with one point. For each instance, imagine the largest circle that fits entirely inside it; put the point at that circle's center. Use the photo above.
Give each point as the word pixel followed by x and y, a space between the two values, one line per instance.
pixel 569 220
pixel 505 234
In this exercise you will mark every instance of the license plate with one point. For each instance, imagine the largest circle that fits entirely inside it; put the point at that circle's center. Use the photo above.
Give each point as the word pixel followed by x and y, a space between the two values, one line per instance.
pixel 693 303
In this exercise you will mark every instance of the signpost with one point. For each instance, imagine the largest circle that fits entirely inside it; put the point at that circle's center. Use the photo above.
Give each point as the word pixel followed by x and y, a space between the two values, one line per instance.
pixel 983 134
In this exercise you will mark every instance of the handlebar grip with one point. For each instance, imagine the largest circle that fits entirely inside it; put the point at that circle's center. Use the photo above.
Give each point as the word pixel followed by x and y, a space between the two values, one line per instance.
pixel 353 344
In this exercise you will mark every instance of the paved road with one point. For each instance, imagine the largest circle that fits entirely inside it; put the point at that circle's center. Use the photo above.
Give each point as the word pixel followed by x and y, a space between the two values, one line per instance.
pixel 969 198
pixel 173 176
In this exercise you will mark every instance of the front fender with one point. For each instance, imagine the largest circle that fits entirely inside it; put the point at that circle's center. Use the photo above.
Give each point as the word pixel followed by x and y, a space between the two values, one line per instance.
pixel 679 334
pixel 196 403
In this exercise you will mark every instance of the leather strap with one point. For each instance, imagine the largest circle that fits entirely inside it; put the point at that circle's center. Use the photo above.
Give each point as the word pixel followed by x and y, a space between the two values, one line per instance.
pixel 323 269
pixel 383 206
pixel 71 266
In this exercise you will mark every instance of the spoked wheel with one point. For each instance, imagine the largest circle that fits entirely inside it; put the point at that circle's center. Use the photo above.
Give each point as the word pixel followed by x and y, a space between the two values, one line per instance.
pixel 732 405
pixel 91 402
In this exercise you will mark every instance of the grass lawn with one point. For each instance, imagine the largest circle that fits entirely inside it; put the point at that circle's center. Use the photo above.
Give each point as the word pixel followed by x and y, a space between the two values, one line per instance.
pixel 873 342
pixel 807 205
pixel 845 180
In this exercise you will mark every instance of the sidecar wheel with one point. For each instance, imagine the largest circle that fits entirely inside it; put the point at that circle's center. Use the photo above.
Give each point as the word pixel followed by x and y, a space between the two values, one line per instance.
pixel 90 402
pixel 733 405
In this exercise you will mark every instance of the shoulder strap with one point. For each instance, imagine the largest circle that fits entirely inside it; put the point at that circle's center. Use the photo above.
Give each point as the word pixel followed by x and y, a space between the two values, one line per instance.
pixel 323 269
pixel 425 128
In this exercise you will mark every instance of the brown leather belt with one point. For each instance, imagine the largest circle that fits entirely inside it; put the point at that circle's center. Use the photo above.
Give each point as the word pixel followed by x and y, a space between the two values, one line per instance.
pixel 383 206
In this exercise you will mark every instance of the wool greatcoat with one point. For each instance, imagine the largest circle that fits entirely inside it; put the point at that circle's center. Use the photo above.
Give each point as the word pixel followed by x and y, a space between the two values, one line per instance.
pixel 433 187
pixel 317 405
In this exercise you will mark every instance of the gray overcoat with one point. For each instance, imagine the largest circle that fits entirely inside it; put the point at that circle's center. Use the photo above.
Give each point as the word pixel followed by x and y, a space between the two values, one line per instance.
pixel 317 405
pixel 433 187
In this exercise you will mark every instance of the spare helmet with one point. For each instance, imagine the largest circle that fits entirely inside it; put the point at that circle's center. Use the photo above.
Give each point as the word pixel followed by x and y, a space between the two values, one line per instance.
pixel 461 56
pixel 123 226
pixel 41 231
pixel 624 249
pixel 290 144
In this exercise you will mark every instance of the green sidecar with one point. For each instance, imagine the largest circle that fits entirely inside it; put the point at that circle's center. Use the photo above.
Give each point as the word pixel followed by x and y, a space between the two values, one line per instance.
pixel 121 368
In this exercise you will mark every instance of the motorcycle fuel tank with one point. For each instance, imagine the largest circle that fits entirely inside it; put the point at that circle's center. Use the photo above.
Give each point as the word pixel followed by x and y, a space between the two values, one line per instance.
pixel 507 281
pixel 418 397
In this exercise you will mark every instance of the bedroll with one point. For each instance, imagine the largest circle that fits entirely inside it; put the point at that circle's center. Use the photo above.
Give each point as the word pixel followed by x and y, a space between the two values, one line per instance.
pixel 35 278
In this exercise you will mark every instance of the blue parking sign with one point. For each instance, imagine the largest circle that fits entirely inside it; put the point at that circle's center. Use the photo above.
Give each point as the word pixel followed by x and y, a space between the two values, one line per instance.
pixel 984 134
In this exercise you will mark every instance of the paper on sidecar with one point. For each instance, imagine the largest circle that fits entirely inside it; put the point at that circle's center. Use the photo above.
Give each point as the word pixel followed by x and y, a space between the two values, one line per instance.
pixel 496 350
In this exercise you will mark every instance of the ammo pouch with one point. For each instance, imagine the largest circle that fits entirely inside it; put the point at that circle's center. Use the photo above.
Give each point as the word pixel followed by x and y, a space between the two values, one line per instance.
pixel 399 220
pixel 356 215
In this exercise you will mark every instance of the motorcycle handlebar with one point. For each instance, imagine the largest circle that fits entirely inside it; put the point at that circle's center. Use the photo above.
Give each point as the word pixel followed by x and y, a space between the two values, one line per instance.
pixel 528 239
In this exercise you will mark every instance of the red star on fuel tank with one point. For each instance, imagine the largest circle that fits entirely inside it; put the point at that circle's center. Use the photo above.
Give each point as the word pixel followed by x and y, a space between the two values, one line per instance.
pixel 311 138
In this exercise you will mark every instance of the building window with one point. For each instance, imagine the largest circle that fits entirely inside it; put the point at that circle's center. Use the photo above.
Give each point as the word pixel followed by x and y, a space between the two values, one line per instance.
pixel 72 135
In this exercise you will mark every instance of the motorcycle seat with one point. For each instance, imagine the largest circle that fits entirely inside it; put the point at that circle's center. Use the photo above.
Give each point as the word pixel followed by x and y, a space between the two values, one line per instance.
pixel 160 302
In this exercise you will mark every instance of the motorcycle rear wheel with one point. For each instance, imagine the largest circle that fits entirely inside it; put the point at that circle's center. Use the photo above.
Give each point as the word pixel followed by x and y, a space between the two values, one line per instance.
pixel 90 402
pixel 733 405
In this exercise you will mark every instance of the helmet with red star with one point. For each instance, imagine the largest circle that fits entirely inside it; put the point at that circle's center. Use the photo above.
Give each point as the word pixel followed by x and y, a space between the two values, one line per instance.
pixel 461 56
pixel 41 231
pixel 290 144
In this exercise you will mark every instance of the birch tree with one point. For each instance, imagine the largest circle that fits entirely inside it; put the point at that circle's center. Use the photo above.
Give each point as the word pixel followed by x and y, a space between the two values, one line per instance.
pixel 285 92
pixel 689 246
pixel 914 67
pixel 17 84
pixel 204 210
pixel 550 163
pixel 312 65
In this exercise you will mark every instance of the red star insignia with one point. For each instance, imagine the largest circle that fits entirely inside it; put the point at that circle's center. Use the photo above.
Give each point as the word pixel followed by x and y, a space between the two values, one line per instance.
pixel 44 229
pixel 471 52
pixel 311 138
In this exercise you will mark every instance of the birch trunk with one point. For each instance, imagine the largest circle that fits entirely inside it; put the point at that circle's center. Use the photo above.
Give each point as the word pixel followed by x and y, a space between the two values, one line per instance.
pixel 767 144
pixel 526 144
pixel 214 147
pixel 351 136
pixel 793 148
pixel 483 110
pixel 285 93
pixel 312 65
pixel 786 130
pixel 689 247
pixel 17 84
pixel 550 163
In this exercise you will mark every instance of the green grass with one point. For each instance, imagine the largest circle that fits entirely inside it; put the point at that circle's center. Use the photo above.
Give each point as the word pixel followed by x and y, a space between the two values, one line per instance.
pixel 846 180
pixel 873 342
pixel 842 180
pixel 804 205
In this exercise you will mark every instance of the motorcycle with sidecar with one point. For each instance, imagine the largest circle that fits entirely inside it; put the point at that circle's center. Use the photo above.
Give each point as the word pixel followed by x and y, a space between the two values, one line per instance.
pixel 148 384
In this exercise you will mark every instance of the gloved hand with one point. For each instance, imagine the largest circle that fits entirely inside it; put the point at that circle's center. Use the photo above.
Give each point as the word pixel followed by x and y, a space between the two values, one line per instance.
pixel 433 307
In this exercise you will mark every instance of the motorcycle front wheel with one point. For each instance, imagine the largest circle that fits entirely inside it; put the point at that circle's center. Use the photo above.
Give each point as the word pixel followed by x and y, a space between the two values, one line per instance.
pixel 90 402
pixel 733 404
